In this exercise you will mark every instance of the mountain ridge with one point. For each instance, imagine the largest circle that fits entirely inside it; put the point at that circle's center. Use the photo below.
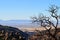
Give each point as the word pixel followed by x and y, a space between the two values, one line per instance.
pixel 18 23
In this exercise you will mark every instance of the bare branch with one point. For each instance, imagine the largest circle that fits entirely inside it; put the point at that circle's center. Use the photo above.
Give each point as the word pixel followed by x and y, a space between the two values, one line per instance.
pixel 46 22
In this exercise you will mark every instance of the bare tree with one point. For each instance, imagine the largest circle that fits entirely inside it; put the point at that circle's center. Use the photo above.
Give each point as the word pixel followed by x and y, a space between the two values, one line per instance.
pixel 47 23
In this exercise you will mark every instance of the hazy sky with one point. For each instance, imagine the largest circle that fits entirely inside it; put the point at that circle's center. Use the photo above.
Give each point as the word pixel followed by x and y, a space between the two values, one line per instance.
pixel 24 9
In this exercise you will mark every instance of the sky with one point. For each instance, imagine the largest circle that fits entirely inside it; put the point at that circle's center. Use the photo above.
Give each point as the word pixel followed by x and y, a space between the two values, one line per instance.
pixel 24 9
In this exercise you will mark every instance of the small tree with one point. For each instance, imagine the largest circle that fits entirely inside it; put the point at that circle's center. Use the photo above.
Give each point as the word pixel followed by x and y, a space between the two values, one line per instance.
pixel 47 23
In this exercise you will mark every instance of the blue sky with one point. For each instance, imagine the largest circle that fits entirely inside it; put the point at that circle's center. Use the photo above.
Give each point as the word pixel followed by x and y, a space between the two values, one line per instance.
pixel 24 9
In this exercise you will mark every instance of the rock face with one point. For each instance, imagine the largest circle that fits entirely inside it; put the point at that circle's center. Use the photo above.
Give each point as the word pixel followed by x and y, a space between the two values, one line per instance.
pixel 11 33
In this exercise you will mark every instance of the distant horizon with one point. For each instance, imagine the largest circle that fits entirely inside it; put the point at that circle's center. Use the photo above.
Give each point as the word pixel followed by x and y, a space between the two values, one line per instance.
pixel 14 19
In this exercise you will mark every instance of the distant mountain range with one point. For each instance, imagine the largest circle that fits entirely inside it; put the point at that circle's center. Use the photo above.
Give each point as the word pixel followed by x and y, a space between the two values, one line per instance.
pixel 19 23
pixel 14 22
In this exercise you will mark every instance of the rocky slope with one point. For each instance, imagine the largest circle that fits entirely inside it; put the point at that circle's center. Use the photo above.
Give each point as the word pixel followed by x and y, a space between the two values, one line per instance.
pixel 11 33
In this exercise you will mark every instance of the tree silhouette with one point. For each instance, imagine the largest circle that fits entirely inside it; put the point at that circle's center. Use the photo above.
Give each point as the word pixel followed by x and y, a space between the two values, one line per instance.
pixel 46 22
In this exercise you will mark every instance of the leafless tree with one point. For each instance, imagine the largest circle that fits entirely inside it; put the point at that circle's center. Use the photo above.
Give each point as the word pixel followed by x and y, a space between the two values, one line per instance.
pixel 46 21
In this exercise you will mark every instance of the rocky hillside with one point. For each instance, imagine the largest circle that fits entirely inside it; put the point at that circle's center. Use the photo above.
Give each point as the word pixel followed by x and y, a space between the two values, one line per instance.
pixel 11 33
